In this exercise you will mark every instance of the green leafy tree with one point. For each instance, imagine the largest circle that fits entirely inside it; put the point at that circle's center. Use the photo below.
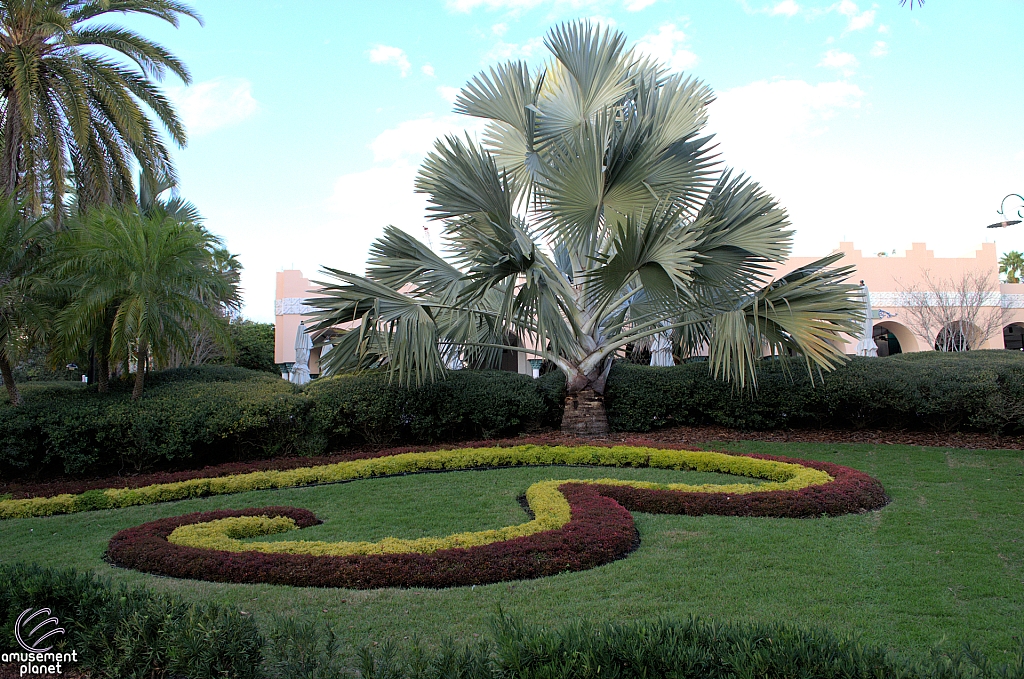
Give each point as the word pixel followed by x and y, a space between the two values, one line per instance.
pixel 152 276
pixel 253 345
pixel 1011 266
pixel 76 95
pixel 23 285
pixel 592 217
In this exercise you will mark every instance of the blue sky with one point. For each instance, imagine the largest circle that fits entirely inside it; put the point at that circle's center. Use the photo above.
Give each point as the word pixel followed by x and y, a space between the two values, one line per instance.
pixel 868 121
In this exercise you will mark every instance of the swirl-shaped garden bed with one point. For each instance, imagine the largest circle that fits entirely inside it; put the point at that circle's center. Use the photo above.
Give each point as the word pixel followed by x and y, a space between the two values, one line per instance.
pixel 576 524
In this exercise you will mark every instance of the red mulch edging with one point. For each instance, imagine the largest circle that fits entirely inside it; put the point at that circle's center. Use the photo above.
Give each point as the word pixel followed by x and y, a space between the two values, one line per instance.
pixel 601 530
pixel 675 435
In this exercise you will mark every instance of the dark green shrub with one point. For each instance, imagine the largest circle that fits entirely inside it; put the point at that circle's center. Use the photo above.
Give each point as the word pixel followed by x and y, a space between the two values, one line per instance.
pixel 192 417
pixel 671 649
pixel 128 631
pixel 121 631
pixel 188 417
pixel 552 389
pixel 466 404
pixel 979 391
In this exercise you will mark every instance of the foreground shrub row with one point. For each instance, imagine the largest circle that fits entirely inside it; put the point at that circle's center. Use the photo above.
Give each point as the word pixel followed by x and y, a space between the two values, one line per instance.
pixel 384 464
pixel 193 417
pixel 122 631
pixel 598 527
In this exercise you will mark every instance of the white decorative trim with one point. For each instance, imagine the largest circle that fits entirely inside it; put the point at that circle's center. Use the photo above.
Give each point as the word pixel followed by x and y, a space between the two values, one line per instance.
pixel 292 306
pixel 908 299
pixel 889 299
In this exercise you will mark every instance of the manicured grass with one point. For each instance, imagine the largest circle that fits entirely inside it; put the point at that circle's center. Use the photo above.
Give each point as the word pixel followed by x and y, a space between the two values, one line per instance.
pixel 943 563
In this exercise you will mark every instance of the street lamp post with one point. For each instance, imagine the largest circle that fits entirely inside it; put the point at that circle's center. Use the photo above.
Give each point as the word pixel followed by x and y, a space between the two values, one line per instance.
pixel 1002 210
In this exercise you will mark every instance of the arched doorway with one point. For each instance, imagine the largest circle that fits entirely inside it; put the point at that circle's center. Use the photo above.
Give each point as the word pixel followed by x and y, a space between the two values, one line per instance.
pixel 893 338
pixel 886 341
pixel 1013 337
pixel 954 337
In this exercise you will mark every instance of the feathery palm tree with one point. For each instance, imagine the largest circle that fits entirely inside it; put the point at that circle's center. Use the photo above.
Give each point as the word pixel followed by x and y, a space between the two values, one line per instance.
pixel 23 244
pixel 1012 265
pixel 592 217
pixel 151 275
pixel 71 113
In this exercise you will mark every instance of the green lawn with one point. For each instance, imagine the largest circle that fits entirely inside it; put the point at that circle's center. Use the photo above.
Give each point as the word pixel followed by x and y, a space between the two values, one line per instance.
pixel 943 563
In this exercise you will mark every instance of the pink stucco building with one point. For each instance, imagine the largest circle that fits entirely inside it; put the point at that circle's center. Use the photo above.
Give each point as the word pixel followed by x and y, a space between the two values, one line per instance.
pixel 887 278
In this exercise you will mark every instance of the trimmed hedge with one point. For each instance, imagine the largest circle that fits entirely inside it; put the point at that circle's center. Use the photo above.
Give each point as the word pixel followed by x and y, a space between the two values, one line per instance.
pixel 388 463
pixel 466 404
pixel 594 528
pixel 188 416
pixel 193 417
pixel 975 391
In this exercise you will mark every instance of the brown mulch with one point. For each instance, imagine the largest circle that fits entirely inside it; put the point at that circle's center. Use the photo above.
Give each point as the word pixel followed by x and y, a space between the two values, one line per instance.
pixel 677 435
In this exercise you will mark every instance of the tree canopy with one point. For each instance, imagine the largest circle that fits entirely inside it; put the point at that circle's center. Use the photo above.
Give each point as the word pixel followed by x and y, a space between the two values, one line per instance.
pixel 594 214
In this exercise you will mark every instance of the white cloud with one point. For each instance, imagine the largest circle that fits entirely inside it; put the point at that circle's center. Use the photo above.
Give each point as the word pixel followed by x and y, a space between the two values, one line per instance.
pixel 862 21
pixel 880 49
pixel 847 8
pixel 884 29
pixel 602 21
pixel 362 203
pixel 449 94
pixel 786 7
pixel 413 139
pixel 667 46
pixel 384 54
pixel 759 114
pixel 839 60
pixel 212 104
pixel 858 20
pixel 503 51
pixel 515 6
pixel 428 70
pixel 499 29
pixel 637 5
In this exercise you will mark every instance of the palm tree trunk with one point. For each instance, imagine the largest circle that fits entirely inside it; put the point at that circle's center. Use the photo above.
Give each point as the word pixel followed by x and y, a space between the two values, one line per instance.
pixel 103 361
pixel 585 414
pixel 102 372
pixel 12 388
pixel 140 369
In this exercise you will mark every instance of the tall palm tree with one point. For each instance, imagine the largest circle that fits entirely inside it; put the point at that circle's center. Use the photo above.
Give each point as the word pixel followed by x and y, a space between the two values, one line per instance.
pixel 70 113
pixel 593 216
pixel 152 275
pixel 23 311
pixel 1012 265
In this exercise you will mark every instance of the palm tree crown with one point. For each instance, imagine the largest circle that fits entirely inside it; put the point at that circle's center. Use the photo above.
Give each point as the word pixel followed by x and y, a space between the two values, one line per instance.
pixel 593 216
pixel 152 277
pixel 1012 265
pixel 71 113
